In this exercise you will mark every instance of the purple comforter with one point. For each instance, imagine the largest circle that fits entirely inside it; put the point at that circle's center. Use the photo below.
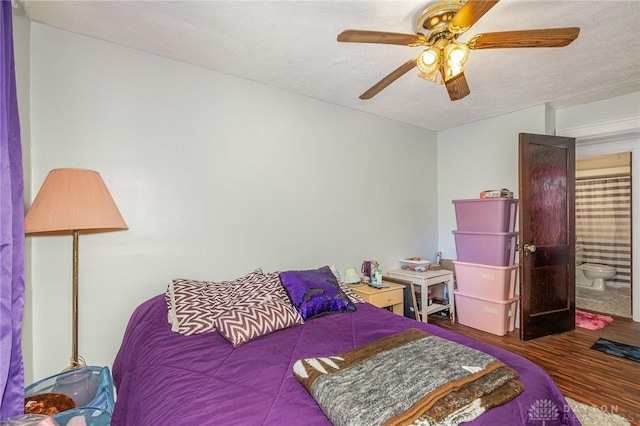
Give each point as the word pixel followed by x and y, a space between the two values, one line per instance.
pixel 164 378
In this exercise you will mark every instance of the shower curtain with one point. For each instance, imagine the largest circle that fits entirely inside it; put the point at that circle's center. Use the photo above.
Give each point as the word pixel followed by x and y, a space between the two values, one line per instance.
pixel 603 224
pixel 11 231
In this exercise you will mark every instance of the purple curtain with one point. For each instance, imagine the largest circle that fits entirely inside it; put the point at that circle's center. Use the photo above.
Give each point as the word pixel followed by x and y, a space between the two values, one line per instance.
pixel 11 231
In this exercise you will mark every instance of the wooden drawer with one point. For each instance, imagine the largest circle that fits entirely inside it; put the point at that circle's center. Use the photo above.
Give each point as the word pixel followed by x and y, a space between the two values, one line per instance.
pixel 392 297
pixel 386 298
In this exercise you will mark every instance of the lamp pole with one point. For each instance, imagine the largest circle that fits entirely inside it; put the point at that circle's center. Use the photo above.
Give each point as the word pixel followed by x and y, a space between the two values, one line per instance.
pixel 74 313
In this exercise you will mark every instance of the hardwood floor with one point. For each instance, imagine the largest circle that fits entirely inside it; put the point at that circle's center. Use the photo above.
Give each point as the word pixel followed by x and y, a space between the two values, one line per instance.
pixel 585 375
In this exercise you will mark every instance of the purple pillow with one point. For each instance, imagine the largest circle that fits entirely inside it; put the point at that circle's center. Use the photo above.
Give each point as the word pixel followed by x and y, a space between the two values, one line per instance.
pixel 315 292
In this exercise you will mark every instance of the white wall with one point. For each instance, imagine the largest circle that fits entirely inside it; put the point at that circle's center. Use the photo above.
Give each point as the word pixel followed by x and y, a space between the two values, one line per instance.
pixel 610 115
pixel 476 157
pixel 215 176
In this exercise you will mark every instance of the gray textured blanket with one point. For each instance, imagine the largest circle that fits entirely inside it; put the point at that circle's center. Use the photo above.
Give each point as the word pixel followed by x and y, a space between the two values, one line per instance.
pixel 409 377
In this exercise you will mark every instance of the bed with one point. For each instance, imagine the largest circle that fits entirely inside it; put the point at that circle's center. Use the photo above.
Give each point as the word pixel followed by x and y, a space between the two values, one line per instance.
pixel 166 378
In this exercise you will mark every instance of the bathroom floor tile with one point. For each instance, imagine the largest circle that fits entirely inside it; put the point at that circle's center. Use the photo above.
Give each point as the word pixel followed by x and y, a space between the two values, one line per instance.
pixel 613 301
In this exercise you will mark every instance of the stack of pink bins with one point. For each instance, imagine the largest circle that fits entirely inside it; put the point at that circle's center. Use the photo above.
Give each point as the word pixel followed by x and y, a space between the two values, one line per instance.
pixel 485 269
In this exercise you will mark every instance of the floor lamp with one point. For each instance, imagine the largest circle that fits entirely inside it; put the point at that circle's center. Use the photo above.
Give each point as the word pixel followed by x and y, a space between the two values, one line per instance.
pixel 73 202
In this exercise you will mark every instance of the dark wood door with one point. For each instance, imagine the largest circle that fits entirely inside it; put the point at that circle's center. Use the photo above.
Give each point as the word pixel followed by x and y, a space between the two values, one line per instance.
pixel 547 235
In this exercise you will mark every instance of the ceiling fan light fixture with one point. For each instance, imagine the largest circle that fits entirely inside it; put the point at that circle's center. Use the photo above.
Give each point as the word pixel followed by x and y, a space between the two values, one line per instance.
pixel 456 53
pixel 433 77
pixel 428 57
pixel 428 62
pixel 450 70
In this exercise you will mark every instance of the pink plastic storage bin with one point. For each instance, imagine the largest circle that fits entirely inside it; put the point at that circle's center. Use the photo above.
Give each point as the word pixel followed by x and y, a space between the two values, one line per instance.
pixel 489 282
pixel 493 316
pixel 486 214
pixel 488 248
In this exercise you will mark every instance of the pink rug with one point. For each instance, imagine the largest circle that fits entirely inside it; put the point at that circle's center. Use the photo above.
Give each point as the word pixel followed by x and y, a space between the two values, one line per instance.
pixel 591 321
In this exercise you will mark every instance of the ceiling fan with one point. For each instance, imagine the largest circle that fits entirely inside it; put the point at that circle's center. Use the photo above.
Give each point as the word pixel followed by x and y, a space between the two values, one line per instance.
pixel 444 21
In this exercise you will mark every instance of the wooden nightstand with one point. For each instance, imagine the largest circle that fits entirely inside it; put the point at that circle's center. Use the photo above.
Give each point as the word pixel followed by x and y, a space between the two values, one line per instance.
pixel 392 296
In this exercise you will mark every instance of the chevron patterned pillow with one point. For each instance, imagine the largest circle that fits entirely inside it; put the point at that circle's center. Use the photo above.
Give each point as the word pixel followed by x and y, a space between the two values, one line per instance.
pixel 195 304
pixel 241 325
pixel 352 295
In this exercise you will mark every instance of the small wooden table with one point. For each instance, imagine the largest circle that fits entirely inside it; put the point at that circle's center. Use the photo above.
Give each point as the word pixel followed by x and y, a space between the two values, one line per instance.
pixel 437 279
pixel 392 296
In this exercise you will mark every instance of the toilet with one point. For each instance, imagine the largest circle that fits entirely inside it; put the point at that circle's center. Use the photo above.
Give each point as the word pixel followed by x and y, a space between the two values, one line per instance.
pixel 593 275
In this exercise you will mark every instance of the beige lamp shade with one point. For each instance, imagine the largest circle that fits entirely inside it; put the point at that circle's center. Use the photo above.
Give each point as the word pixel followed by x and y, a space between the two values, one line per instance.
pixel 73 200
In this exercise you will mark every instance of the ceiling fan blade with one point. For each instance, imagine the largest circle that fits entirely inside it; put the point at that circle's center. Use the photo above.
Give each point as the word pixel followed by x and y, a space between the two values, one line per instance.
pixel 363 36
pixel 469 15
pixel 393 76
pixel 457 87
pixel 550 37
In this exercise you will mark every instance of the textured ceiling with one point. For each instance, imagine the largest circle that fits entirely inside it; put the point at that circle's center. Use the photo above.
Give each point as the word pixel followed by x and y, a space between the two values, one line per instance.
pixel 292 45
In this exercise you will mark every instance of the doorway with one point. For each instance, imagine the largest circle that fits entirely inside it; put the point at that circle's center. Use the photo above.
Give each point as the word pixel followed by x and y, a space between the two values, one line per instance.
pixel 590 142
pixel 603 231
